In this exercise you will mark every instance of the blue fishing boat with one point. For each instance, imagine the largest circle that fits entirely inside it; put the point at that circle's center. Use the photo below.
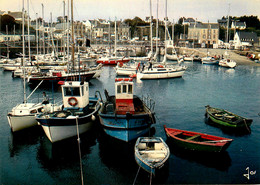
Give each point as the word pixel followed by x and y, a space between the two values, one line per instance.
pixel 125 116
pixel 77 116
pixel 151 153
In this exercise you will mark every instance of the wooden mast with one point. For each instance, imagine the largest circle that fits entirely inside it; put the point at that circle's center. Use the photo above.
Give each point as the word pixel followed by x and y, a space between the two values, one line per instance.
pixel 72 36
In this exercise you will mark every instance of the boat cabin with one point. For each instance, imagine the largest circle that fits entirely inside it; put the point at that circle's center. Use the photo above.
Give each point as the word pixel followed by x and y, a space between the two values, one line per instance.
pixel 124 95
pixel 75 94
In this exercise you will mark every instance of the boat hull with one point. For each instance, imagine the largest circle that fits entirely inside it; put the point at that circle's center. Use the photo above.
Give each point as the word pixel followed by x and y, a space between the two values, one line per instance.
pixel 228 64
pixel 125 71
pixel 75 77
pixel 125 128
pixel 206 143
pixel 234 121
pixel 18 123
pixel 161 74
pixel 60 128
pixel 58 133
pixel 112 62
pixel 149 156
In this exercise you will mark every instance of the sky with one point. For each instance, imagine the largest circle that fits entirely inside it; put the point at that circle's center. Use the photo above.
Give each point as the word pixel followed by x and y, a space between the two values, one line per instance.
pixel 202 10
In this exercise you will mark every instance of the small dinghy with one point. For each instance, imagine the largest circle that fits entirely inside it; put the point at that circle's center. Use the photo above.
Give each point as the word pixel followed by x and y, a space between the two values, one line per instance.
pixel 151 153
pixel 226 118
pixel 197 141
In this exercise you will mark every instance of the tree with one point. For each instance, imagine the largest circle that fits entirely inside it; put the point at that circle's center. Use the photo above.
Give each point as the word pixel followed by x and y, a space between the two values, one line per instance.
pixel 9 21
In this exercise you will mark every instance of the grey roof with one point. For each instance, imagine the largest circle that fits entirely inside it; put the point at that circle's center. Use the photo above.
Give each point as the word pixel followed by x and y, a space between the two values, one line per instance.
pixel 239 23
pixel 248 36
pixel 204 25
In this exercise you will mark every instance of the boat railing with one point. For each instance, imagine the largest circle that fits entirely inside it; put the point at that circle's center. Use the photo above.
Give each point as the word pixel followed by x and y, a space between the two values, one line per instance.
pixel 150 103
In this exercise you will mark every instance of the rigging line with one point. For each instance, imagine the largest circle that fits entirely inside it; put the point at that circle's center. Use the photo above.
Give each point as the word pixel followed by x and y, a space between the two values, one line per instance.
pixel 81 170
pixel 151 177
pixel 248 129
pixel 136 174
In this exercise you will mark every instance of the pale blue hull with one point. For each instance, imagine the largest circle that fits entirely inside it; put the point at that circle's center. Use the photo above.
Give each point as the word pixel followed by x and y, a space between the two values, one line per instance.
pixel 146 167
pixel 125 127
pixel 126 135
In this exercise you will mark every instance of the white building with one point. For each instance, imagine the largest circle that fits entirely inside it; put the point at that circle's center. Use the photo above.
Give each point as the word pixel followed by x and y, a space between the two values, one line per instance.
pixel 238 25
pixel 245 39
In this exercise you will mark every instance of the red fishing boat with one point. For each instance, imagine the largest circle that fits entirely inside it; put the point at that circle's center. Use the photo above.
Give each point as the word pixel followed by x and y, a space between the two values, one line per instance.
pixel 197 141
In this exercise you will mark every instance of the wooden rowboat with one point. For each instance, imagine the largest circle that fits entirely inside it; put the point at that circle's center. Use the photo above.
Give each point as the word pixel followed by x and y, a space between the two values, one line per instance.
pixel 151 153
pixel 226 118
pixel 197 141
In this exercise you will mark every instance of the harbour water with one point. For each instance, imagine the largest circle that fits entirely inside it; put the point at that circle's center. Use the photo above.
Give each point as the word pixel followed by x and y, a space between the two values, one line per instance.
pixel 29 157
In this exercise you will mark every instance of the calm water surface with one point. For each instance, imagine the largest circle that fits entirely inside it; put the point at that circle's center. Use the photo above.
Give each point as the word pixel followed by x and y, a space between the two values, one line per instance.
pixel 29 158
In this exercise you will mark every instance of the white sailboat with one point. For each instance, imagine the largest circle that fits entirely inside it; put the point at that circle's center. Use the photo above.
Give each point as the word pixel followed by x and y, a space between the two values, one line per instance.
pixel 131 68
pixel 227 62
pixel 23 115
pixel 161 70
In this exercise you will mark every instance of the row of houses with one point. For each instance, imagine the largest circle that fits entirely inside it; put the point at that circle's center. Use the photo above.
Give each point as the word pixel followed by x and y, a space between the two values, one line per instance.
pixel 101 30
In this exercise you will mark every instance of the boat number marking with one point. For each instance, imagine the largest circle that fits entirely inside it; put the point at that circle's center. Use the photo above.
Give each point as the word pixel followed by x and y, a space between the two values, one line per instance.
pixel 247 175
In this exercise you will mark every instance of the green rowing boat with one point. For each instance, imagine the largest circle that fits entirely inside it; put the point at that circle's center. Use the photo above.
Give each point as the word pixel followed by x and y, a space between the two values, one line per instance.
pixel 226 118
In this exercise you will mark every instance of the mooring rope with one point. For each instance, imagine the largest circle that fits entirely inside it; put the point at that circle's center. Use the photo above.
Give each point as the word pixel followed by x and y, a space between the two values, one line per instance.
pixel 151 177
pixel 137 174
pixel 81 170
pixel 247 126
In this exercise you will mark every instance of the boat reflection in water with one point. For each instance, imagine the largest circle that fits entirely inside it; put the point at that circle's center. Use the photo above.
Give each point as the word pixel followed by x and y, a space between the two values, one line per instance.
pixel 21 141
pixel 220 161
pixel 65 154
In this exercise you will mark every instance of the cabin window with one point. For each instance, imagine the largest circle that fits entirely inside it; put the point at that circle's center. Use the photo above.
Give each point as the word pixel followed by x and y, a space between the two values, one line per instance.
pixel 118 88
pixel 124 89
pixel 72 91
pixel 40 110
pixel 130 89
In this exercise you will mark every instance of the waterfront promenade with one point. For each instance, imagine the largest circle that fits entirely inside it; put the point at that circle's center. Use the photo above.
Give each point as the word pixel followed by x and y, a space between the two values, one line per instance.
pixel 239 59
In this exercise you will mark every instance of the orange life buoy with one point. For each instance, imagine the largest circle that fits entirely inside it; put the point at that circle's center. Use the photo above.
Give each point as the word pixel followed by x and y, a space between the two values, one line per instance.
pixel 121 64
pixel 73 101
pixel 160 66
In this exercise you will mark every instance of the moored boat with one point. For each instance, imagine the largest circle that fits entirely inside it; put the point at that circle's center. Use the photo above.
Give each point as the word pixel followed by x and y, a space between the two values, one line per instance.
pixel 62 75
pixel 79 112
pixel 227 63
pixel 151 153
pixel 125 116
pixel 209 60
pixel 161 71
pixel 226 118
pixel 112 60
pixel 197 141
pixel 23 115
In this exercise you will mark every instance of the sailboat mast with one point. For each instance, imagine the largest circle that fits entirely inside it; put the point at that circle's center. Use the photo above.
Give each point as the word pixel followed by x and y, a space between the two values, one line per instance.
pixel 43 40
pixel 24 93
pixel 28 30
pixel 165 35
pixel 63 39
pixel 228 23
pixel 72 34
pixel 37 43
pixel 115 38
pixel 157 29
pixel 151 27
pixel 68 26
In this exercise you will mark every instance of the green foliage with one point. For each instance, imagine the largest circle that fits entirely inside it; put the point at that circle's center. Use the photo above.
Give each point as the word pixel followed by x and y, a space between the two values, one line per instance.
pixel 133 23
pixel 8 22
